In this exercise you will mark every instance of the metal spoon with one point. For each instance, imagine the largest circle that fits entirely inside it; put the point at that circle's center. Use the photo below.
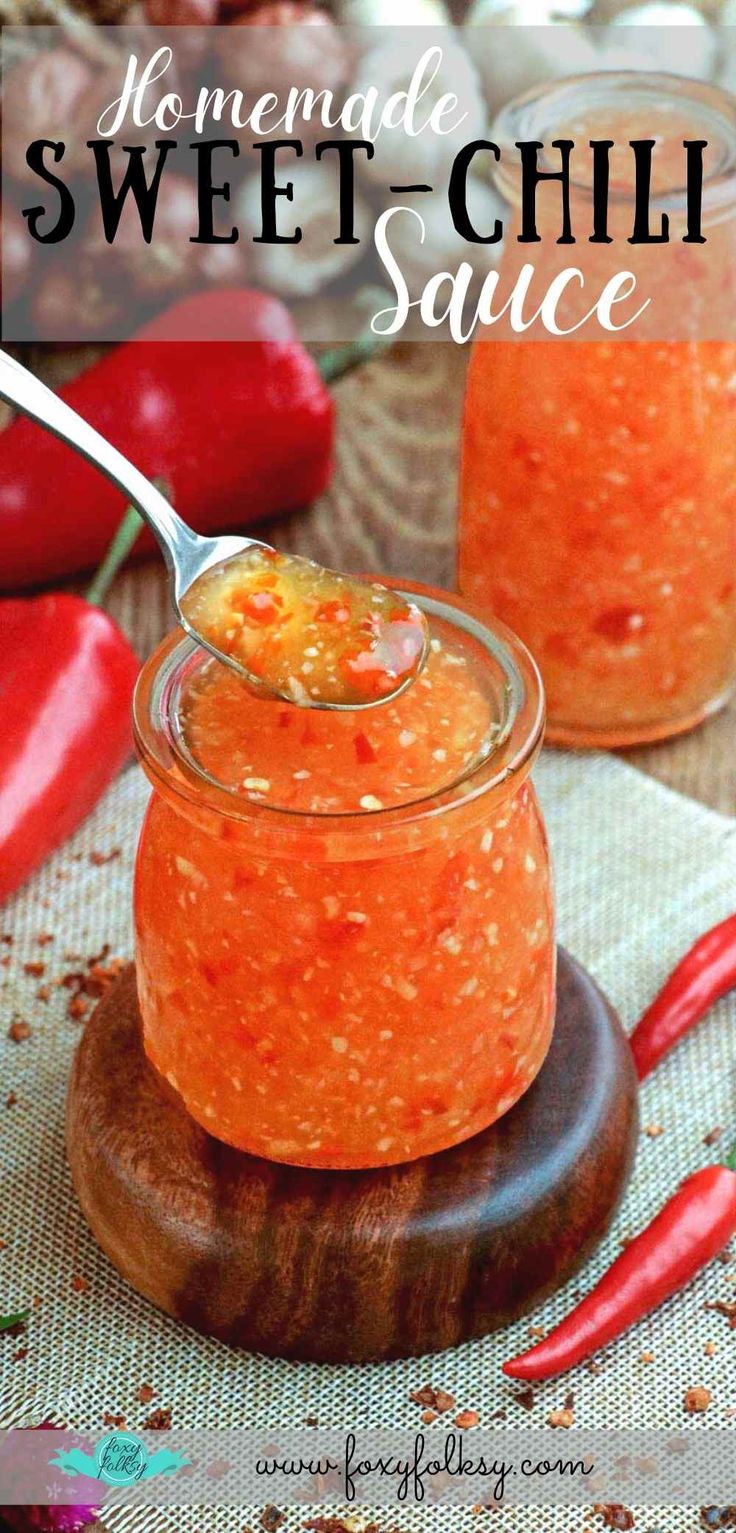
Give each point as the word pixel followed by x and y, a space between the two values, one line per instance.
pixel 188 555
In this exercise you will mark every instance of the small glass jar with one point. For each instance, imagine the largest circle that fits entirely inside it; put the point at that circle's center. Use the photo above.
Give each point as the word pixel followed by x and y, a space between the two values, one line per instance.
pixel 347 989
pixel 598 501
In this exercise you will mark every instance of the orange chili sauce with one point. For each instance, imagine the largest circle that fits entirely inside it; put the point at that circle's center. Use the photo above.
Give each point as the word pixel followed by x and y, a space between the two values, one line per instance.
pixel 364 995
pixel 308 633
pixel 598 504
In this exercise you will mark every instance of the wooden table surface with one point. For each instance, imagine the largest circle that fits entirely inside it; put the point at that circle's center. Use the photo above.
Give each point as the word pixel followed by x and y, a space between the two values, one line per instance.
pixel 391 507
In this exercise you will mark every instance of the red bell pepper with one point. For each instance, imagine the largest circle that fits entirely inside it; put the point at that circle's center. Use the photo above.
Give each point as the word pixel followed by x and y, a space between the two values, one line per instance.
pixel 239 429
pixel 67 674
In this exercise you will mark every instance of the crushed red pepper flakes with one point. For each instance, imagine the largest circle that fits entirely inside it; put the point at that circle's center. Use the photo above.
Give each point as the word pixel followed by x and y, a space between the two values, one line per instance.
pixel 713 1136
pixel 19 1031
pixel 100 859
pixel 145 1394
pixel 19 1329
pixel 7 938
pixel 90 983
pixel 433 1399
pixel 112 1419
pixel 697 1399
pixel 219 1470
pixel 337 1525
pixel 35 968
pixel 79 1283
pixel 615 1516
pixel 43 938
pixel 653 1130
pixel 159 1420
pixel 724 1307
pixel 271 1519
pixel 526 1398
pixel 428 1417
pixel 11 1099
pixel 561 1418
pixel 465 1420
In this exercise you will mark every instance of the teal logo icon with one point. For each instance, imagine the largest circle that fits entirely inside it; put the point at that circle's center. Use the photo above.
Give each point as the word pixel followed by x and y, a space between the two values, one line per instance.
pixel 119 1459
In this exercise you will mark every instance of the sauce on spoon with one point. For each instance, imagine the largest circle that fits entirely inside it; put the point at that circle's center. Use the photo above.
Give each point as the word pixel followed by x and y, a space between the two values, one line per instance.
pixel 309 634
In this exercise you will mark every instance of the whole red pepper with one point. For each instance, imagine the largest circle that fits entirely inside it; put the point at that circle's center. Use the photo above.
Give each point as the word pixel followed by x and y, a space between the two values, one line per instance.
pixel 707 972
pixel 67 674
pixel 238 429
pixel 690 1230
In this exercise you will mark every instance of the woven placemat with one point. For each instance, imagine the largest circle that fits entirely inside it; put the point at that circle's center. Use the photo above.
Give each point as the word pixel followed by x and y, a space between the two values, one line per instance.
pixel 640 872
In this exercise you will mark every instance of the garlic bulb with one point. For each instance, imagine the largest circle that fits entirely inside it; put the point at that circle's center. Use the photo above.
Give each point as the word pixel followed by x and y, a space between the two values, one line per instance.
pixel 396 13
pixel 443 248
pixel 298 271
pixel 515 47
pixel 674 38
pixel 428 155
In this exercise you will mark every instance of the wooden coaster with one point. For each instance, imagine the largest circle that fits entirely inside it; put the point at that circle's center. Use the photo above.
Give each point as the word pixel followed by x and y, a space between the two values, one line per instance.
pixel 347 1266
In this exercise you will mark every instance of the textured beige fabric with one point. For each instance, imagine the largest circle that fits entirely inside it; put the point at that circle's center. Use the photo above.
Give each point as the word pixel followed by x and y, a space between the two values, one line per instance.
pixel 640 872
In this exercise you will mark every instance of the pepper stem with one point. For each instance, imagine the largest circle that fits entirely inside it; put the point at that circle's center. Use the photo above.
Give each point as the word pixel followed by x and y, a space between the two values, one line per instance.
pixel 117 552
pixel 119 549
pixel 343 359
pixel 730 1161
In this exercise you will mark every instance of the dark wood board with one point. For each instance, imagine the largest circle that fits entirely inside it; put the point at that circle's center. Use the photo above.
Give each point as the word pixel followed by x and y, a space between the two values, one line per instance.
pixel 351 1266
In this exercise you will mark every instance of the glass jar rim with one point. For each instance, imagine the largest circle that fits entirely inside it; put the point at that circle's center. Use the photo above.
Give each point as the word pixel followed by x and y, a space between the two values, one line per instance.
pixel 534 115
pixel 172 769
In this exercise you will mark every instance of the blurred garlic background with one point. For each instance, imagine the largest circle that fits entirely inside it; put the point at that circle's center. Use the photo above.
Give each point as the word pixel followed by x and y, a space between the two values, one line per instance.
pixel 586 36
pixel 298 271
pixel 428 156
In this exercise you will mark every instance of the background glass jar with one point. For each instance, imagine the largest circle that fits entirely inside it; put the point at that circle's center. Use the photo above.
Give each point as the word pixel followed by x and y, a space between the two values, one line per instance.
pixel 598 502
pixel 348 988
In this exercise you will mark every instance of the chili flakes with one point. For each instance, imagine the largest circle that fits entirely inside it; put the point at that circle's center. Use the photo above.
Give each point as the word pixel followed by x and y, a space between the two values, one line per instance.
pixel 615 1516
pixel 271 1519
pixel 159 1420
pixel 433 1399
pixel 697 1399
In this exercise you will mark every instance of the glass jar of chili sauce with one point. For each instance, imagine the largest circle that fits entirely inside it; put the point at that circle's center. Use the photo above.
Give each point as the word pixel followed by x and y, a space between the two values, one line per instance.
pixel 344 920
pixel 598 503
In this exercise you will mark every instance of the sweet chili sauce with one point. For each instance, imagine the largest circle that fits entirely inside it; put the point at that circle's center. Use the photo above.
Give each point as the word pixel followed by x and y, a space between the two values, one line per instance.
pixel 310 634
pixel 598 502
pixel 345 940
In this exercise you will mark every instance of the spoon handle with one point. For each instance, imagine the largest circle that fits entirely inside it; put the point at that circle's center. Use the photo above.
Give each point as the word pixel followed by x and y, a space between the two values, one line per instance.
pixel 27 393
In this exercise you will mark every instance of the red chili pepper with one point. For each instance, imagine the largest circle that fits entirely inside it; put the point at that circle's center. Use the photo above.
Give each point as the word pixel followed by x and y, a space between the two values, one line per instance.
pixel 690 1230
pixel 706 973
pixel 67 675
pixel 239 429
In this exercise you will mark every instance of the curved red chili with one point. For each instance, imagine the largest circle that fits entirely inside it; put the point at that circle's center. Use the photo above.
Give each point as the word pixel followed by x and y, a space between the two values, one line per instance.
pixel 707 972
pixel 690 1230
